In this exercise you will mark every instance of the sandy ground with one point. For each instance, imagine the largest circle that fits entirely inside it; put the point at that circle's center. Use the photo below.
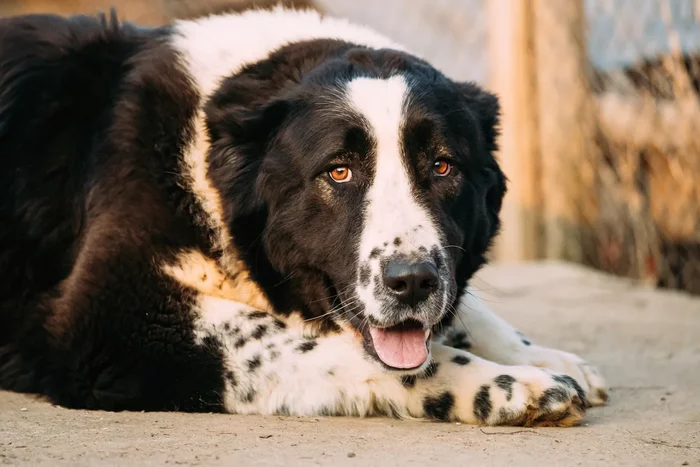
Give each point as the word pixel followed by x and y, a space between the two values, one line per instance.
pixel 646 342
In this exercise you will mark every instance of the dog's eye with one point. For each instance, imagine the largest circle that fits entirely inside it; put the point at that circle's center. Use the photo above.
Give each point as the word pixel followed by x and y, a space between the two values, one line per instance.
pixel 442 168
pixel 341 174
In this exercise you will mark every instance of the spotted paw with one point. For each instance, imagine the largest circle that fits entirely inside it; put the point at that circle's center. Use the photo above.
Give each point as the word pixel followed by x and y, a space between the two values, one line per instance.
pixel 587 375
pixel 528 396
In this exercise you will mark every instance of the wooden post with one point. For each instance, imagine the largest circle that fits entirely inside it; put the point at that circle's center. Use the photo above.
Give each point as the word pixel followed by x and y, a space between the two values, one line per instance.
pixel 566 127
pixel 512 78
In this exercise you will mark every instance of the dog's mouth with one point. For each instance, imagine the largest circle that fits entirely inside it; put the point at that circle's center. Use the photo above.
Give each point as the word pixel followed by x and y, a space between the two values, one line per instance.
pixel 400 347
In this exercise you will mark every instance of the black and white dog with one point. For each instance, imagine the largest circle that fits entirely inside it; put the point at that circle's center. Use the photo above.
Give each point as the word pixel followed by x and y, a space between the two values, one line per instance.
pixel 271 212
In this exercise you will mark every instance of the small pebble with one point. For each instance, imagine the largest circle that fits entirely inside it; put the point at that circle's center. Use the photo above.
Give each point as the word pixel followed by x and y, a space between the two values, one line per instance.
pixel 351 454
pixel 685 463
pixel 458 423
pixel 23 409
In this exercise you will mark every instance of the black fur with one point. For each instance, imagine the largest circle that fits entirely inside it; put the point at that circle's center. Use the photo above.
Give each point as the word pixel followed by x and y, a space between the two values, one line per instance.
pixel 461 360
pixel 408 381
pixel 505 382
pixel 439 407
pixel 94 119
pixel 482 403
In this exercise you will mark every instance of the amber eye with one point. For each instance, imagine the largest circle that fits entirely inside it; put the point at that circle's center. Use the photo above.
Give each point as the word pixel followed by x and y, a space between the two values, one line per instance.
pixel 442 168
pixel 341 174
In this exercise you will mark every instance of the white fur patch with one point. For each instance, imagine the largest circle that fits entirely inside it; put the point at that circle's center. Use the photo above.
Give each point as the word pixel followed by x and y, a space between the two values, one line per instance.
pixel 219 46
pixel 392 211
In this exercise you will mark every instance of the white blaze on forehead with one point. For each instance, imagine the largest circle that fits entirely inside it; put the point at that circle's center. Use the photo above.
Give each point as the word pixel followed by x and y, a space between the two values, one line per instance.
pixel 392 210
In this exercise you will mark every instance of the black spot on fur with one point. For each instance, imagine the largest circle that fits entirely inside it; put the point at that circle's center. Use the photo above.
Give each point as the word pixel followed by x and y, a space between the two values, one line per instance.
pixel 249 396
pixel 461 360
pixel 408 381
pixel 482 403
pixel 397 241
pixel 240 342
pixel 572 383
pixel 463 345
pixel 431 370
pixel 460 341
pixel 254 363
pixel 259 332
pixel 306 346
pixel 231 377
pixel 375 253
pixel 523 339
pixel 280 324
pixel 365 273
pixel 283 410
pixel 330 372
pixel 439 408
pixel 553 396
pixel 505 382
pixel 258 315
pixel 227 326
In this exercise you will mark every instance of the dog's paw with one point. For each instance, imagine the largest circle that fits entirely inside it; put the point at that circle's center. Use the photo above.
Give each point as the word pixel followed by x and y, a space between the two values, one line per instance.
pixel 529 396
pixel 587 375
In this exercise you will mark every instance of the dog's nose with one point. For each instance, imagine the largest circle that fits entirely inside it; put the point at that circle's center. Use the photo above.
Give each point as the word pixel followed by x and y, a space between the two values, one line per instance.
pixel 412 283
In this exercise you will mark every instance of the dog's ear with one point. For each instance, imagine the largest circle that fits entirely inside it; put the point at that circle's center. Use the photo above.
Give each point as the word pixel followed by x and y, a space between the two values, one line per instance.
pixel 240 132
pixel 485 108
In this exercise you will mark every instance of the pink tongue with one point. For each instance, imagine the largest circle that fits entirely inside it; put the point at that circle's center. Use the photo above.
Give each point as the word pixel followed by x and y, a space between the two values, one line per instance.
pixel 400 349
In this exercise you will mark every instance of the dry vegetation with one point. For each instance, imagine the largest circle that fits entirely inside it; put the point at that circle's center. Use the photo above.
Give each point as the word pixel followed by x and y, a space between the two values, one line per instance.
pixel 649 192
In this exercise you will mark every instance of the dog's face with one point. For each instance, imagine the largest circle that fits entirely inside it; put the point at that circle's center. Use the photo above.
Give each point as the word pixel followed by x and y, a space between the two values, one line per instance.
pixel 376 173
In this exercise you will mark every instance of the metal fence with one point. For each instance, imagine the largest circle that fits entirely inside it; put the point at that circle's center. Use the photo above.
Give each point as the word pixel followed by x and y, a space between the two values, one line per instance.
pixel 601 124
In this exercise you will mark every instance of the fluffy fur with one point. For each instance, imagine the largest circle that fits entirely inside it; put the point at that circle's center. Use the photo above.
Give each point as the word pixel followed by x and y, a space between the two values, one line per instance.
pixel 173 238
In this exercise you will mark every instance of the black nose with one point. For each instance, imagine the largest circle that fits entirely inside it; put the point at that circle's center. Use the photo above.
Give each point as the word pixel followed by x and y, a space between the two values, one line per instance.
pixel 411 282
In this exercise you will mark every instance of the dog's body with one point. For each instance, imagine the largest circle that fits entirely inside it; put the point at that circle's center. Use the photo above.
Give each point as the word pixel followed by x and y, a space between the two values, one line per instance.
pixel 259 213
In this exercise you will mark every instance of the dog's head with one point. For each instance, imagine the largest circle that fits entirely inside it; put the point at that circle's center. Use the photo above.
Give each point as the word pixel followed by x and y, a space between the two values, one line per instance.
pixel 369 177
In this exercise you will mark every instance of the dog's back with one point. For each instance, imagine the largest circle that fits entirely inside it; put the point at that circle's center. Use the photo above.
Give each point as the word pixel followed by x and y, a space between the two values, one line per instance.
pixel 57 79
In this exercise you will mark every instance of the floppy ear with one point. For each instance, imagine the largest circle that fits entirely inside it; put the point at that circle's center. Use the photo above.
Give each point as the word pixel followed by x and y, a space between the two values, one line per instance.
pixel 240 135
pixel 486 109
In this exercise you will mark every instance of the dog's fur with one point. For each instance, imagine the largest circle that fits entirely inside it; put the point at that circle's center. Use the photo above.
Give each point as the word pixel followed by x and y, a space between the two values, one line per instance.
pixel 171 238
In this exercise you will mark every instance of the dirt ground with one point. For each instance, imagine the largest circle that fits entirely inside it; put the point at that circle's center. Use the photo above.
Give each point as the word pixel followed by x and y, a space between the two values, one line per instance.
pixel 646 342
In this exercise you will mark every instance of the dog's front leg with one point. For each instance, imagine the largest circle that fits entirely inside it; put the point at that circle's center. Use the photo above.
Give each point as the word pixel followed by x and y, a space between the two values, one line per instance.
pixel 478 329
pixel 273 368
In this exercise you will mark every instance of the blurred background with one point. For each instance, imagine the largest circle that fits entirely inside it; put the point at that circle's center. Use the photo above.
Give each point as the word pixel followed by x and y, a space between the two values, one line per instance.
pixel 601 114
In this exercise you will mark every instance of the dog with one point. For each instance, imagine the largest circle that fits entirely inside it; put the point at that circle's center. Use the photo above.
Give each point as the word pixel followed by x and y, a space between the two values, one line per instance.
pixel 271 212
